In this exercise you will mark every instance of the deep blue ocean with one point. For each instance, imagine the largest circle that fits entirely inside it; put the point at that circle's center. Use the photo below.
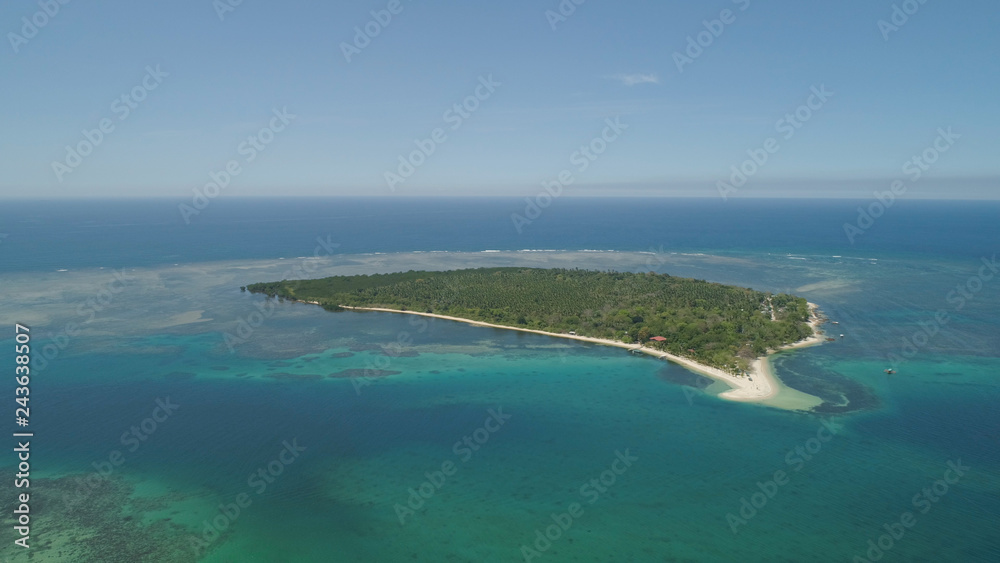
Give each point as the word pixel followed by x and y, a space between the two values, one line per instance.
pixel 304 435
pixel 43 235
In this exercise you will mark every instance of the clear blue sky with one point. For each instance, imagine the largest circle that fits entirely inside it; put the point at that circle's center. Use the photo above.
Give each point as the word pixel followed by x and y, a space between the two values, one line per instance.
pixel 354 119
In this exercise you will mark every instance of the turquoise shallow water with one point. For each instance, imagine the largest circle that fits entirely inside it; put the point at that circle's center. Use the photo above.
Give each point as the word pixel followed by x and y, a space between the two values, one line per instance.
pixel 369 437
pixel 572 410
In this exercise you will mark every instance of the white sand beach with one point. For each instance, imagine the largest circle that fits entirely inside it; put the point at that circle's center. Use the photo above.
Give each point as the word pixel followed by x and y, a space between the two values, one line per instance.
pixel 760 385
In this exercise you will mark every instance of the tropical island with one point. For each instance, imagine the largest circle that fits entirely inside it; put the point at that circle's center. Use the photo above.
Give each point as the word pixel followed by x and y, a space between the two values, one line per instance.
pixel 722 331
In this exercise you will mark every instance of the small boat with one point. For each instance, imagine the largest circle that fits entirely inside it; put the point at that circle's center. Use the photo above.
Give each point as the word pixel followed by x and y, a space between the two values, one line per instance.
pixel 835 322
pixel 889 371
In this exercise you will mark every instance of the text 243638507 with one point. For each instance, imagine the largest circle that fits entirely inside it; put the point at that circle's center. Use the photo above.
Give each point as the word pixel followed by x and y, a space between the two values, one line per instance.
pixel 21 373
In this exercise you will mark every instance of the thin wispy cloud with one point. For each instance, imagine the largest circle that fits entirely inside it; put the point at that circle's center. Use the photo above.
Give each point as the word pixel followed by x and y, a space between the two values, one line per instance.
pixel 636 78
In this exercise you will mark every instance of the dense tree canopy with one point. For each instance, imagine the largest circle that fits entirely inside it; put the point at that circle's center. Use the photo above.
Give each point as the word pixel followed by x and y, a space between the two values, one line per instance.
pixel 716 324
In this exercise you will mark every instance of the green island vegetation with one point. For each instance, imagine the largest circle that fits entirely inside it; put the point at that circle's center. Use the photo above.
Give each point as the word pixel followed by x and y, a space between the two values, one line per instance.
pixel 714 324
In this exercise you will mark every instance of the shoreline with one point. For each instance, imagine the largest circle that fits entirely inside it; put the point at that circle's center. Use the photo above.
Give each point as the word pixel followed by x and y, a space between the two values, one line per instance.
pixel 761 384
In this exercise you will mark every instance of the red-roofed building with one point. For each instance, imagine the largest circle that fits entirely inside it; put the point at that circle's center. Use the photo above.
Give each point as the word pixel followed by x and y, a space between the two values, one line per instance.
pixel 658 339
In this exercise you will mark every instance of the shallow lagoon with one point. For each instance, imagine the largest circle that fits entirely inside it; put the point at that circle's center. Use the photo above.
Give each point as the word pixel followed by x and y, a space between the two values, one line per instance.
pixel 369 440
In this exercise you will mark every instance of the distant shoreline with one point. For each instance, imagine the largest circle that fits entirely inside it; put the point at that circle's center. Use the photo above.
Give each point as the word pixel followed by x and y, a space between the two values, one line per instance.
pixel 761 384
